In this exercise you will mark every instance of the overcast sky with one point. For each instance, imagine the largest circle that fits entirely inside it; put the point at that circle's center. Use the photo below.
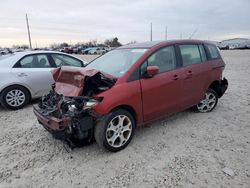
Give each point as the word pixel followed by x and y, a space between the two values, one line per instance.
pixel 54 21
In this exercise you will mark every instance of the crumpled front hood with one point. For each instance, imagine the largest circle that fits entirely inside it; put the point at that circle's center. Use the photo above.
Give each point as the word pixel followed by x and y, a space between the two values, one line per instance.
pixel 71 81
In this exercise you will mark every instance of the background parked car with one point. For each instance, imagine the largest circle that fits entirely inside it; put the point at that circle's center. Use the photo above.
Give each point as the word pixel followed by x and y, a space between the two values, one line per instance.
pixel 26 75
pixel 99 51
pixel 68 50
pixel 3 51
pixel 77 50
pixel 86 51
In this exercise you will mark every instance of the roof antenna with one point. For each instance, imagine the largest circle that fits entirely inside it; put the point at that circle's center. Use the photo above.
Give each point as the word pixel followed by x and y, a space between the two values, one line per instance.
pixel 193 33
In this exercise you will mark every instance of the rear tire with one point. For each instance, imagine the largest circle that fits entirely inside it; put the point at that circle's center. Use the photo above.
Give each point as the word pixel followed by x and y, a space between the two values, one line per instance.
pixel 14 97
pixel 115 131
pixel 208 103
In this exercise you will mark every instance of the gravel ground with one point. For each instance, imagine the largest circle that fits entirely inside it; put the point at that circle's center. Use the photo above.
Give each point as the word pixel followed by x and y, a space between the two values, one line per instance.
pixel 186 150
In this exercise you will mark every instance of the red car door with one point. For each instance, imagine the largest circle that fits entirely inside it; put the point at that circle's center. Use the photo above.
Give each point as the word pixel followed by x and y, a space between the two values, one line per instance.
pixel 161 94
pixel 196 73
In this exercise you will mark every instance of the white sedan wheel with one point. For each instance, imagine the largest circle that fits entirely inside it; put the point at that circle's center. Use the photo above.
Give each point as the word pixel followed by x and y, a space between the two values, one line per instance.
pixel 15 98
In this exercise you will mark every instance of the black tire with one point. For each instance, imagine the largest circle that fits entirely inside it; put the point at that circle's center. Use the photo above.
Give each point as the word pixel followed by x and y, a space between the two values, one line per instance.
pixel 209 104
pixel 102 126
pixel 25 99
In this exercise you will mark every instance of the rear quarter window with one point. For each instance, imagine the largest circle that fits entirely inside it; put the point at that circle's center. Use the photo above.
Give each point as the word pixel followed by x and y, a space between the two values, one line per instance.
pixel 212 51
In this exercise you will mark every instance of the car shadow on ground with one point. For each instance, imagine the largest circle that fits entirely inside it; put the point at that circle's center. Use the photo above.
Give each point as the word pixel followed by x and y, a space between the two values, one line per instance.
pixel 163 122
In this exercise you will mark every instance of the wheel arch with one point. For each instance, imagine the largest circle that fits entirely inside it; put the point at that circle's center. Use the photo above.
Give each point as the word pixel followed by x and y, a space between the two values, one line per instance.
pixel 215 85
pixel 129 109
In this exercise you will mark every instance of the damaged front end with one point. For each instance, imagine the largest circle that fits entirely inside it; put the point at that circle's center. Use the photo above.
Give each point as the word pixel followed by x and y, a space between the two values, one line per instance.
pixel 67 111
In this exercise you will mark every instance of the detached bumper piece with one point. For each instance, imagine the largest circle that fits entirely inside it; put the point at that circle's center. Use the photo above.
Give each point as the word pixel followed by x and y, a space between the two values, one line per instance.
pixel 65 120
pixel 57 127
pixel 223 85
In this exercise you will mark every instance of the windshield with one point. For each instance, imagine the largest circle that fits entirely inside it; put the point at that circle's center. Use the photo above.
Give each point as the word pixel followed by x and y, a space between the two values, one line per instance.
pixel 117 62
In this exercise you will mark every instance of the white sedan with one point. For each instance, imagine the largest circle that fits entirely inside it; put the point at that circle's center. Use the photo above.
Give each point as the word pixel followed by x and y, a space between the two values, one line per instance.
pixel 27 75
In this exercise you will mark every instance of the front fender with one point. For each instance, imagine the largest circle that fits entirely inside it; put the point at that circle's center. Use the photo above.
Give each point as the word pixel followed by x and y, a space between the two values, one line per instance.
pixel 128 94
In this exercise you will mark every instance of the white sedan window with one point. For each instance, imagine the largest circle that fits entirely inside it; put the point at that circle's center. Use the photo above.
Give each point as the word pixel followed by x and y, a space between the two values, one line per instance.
pixel 63 60
pixel 35 61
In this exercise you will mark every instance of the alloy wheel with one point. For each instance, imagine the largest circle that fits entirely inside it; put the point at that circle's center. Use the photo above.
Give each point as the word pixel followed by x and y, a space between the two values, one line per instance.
pixel 208 102
pixel 119 131
pixel 15 98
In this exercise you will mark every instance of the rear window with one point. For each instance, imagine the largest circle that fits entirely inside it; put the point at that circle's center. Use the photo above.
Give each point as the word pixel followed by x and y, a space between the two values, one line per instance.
pixel 190 54
pixel 213 52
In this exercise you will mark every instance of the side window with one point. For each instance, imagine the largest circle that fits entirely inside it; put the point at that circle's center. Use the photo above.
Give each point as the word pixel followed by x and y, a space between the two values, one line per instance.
pixel 164 58
pixel 43 61
pixel 63 60
pixel 202 52
pixel 190 54
pixel 35 61
pixel 213 52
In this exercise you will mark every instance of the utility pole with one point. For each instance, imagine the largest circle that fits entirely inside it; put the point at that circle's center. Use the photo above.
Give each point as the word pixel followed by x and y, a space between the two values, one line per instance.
pixel 27 21
pixel 151 32
pixel 193 33
pixel 166 33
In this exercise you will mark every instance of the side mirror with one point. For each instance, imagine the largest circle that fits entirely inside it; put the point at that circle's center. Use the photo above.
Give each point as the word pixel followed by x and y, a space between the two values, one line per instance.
pixel 151 71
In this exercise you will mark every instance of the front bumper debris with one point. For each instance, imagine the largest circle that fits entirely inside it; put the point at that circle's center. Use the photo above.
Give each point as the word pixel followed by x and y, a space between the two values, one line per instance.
pixel 66 118
pixel 57 127
pixel 66 112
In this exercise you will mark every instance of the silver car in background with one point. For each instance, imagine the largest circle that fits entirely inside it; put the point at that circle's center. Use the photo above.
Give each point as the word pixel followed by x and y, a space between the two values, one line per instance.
pixel 27 75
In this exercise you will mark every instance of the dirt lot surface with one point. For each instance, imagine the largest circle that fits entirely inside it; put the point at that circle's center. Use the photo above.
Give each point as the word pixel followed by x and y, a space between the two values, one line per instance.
pixel 186 150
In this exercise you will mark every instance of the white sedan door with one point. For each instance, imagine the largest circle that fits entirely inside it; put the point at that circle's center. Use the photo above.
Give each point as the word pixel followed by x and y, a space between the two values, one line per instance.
pixel 34 71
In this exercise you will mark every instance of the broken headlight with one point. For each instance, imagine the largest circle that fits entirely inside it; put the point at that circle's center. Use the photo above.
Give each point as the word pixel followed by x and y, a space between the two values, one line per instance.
pixel 91 103
pixel 78 104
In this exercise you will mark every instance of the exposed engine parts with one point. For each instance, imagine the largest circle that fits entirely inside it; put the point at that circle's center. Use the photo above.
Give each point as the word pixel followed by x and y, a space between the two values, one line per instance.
pixel 67 112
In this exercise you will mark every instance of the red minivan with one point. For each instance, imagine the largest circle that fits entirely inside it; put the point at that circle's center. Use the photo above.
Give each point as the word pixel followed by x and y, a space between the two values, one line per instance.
pixel 130 86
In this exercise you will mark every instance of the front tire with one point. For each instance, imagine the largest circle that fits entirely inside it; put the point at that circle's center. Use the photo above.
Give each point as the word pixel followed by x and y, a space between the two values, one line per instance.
pixel 208 103
pixel 14 97
pixel 115 132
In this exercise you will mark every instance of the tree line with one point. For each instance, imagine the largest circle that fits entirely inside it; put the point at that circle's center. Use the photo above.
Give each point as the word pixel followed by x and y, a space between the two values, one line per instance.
pixel 113 42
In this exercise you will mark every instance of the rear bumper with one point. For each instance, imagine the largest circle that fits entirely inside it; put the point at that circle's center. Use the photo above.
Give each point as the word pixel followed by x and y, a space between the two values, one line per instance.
pixel 223 85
